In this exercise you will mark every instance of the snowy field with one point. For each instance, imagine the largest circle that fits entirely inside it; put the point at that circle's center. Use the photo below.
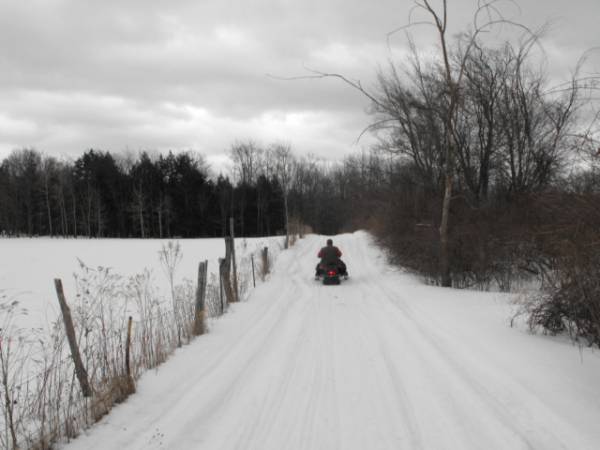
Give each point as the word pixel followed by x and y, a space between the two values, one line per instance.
pixel 380 362
pixel 28 267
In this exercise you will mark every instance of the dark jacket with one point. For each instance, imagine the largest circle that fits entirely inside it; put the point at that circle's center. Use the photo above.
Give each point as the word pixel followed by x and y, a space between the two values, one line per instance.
pixel 329 254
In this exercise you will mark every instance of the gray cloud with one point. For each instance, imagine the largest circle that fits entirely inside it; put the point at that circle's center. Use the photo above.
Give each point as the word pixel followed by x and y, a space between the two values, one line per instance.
pixel 187 74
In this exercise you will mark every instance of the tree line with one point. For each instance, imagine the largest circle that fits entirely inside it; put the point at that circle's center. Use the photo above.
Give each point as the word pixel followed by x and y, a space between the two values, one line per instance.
pixel 104 195
pixel 101 194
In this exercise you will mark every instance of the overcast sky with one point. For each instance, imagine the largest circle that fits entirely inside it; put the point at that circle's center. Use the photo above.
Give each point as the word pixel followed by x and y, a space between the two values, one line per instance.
pixel 159 75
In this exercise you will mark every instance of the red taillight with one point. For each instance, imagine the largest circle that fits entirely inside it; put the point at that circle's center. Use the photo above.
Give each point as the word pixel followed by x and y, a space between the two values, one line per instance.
pixel 331 273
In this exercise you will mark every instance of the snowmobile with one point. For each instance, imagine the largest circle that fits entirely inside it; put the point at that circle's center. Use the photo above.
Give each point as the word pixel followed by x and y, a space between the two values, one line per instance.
pixel 330 274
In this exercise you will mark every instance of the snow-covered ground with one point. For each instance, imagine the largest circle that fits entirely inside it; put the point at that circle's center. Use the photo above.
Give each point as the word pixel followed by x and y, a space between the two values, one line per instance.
pixel 28 266
pixel 380 362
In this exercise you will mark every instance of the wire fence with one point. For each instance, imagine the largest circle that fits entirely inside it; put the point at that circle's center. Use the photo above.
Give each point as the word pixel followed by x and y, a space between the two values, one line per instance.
pixel 41 399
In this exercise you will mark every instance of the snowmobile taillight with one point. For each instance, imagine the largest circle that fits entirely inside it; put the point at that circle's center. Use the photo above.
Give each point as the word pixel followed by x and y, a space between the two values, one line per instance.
pixel 331 273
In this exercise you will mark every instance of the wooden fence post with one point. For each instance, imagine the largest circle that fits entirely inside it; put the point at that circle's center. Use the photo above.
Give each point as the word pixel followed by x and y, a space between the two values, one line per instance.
pixel 128 348
pixel 225 271
pixel 199 325
pixel 80 371
pixel 236 292
pixel 253 277
pixel 265 262
pixel 221 263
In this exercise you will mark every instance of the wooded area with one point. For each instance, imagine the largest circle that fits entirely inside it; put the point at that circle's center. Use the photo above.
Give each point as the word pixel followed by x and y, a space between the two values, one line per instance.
pixel 105 195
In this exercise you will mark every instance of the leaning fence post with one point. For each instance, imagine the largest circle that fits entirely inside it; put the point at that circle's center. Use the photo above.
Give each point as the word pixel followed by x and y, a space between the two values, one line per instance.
pixel 199 327
pixel 253 277
pixel 80 371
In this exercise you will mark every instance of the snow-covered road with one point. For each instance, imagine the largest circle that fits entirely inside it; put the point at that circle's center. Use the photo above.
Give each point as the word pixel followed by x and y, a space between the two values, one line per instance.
pixel 380 362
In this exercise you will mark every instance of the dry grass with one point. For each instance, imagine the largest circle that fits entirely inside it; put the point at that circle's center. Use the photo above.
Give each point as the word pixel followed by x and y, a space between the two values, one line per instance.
pixel 48 406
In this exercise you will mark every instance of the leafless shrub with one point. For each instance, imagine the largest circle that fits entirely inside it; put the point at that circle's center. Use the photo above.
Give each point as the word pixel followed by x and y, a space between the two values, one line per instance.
pixel 33 406
pixel 170 257
pixel 214 303
pixel 568 304
pixel 297 230
pixel 13 355
pixel 570 297
pixel 244 277
pixel 185 294
pixel 48 406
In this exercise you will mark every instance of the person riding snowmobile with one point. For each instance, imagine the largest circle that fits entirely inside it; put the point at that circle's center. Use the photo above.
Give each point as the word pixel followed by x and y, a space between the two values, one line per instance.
pixel 330 255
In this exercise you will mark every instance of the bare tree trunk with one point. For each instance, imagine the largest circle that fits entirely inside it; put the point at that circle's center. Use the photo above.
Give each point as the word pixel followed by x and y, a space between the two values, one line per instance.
pixel 160 225
pixel 287 220
pixel 74 214
pixel 63 213
pixel 49 212
pixel 168 223
pixel 29 209
pixel 98 217
pixel 140 210
pixel 444 251
pixel 441 22
pixel 89 214
pixel 242 210
pixel 258 206
pixel 141 217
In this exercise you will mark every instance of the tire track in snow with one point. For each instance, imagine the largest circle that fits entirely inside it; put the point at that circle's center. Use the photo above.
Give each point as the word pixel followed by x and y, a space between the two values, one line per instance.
pixel 301 424
pixel 460 380
pixel 394 424
pixel 228 370
pixel 401 400
pixel 254 430
pixel 258 428
pixel 464 371
pixel 396 330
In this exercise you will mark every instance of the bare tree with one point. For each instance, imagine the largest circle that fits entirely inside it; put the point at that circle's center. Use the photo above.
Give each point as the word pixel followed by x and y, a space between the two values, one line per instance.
pixel 535 130
pixel 23 168
pixel 486 72
pixel 285 167
pixel 138 207
pixel 410 110
pixel 245 156
pixel 452 80
pixel 48 172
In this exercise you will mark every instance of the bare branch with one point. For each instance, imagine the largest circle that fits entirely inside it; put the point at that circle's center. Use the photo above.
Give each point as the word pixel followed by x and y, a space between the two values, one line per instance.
pixel 374 126
pixel 317 74
pixel 406 27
